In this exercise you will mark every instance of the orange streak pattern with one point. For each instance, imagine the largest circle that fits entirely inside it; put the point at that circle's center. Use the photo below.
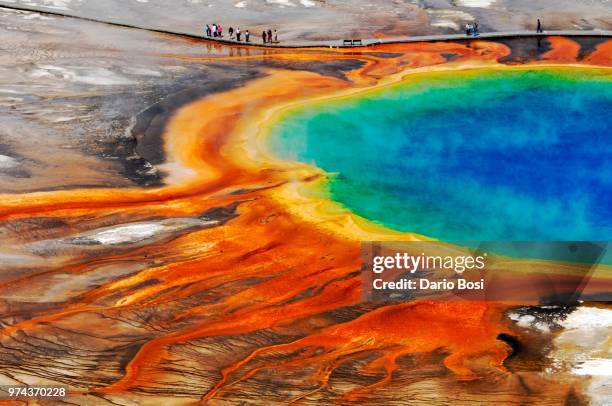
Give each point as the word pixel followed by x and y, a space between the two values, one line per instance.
pixel 562 50
pixel 267 269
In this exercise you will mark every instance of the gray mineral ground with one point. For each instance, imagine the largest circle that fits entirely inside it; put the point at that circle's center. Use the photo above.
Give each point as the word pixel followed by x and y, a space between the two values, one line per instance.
pixel 315 20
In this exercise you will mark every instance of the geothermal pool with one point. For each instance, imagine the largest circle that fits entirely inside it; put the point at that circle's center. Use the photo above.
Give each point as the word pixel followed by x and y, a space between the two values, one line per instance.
pixel 510 153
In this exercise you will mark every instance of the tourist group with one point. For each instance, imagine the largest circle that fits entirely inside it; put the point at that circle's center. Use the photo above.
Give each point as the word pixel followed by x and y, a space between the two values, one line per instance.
pixel 216 31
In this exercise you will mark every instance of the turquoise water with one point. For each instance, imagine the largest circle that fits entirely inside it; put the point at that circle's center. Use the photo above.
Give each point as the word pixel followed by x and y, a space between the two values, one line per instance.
pixel 484 155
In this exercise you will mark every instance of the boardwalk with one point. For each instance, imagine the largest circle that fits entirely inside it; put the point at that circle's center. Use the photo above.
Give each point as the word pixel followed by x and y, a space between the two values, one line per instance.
pixel 485 35
pixel 339 43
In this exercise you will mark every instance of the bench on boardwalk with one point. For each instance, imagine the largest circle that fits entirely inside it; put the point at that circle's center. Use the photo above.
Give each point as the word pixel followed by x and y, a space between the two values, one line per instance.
pixel 352 42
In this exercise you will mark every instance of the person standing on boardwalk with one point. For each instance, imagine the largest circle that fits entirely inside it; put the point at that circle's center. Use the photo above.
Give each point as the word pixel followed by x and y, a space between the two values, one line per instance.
pixel 539 29
pixel 275 37
pixel 208 31
pixel 238 33
pixel 214 30
pixel 231 32
pixel 247 35
pixel 264 37
pixel 270 36
pixel 475 29
pixel 220 30
pixel 468 29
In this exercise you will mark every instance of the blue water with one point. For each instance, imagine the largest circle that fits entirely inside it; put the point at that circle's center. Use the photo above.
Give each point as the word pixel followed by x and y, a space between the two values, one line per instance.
pixel 486 155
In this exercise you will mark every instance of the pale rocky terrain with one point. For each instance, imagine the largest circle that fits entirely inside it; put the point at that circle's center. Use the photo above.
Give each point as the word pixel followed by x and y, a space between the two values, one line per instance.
pixel 71 92
pixel 314 20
